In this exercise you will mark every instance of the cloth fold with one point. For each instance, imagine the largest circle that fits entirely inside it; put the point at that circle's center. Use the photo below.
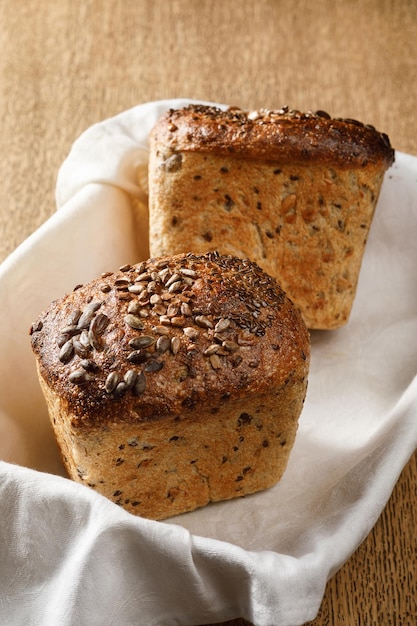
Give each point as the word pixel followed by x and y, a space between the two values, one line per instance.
pixel 69 556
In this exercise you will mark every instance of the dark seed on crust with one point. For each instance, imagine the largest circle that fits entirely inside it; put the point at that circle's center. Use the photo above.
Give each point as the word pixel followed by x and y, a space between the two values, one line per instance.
pixel 144 341
pixel 154 366
pixel 161 330
pixel 140 385
pixel 67 351
pixel 89 365
pixel 111 382
pixel 74 317
pixel 79 377
pixel 94 340
pixel 99 323
pixel 130 378
pixel 163 344
pixel 70 330
pixel 120 390
pixel 80 349
pixel 138 356
pixel 87 315
pixel 134 321
pixel 83 338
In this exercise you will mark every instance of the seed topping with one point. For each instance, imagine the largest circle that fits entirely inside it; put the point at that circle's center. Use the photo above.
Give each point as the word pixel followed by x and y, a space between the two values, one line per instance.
pixel 164 317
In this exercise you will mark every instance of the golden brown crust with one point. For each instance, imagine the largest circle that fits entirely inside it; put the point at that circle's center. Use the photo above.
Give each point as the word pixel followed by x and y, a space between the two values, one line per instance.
pixel 174 383
pixel 283 134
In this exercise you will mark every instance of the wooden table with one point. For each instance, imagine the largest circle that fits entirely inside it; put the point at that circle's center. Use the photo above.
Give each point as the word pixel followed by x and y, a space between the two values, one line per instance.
pixel 67 64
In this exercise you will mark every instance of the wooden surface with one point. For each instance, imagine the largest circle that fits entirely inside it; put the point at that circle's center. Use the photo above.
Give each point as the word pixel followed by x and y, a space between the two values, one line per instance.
pixel 67 64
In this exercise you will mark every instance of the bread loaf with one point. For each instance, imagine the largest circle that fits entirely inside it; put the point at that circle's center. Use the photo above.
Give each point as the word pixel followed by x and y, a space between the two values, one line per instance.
pixel 175 382
pixel 295 192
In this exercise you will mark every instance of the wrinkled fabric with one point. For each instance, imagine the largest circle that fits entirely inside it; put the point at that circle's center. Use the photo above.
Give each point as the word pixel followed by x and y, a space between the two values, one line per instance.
pixel 69 556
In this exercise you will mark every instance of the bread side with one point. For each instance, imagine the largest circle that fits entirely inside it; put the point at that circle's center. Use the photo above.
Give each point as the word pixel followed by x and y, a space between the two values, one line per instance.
pixel 189 388
pixel 294 192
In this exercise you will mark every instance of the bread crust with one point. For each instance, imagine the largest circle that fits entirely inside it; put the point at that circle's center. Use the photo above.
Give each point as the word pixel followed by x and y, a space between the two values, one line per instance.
pixel 294 192
pixel 210 361
pixel 284 134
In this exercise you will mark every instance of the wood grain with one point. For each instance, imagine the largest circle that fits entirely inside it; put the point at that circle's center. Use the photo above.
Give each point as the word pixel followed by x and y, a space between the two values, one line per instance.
pixel 66 65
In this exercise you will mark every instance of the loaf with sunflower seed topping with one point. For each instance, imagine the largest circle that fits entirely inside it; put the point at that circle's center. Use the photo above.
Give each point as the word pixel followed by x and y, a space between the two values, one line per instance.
pixel 295 192
pixel 175 382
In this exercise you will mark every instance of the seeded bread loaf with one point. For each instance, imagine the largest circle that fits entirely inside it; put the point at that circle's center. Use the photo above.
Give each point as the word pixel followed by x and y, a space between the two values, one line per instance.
pixel 175 382
pixel 295 192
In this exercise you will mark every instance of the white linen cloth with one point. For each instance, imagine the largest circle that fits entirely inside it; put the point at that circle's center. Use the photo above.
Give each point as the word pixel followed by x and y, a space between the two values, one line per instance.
pixel 69 557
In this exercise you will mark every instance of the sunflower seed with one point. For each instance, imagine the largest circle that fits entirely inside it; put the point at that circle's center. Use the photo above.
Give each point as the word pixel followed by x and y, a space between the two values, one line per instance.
pixel 144 276
pixel 175 345
pixel 222 325
pixel 186 271
pixel 94 340
pixel 140 384
pixel 111 382
pixel 163 344
pixel 121 282
pixel 137 288
pixel 173 279
pixel 212 349
pixel 144 341
pixel 190 332
pixel 89 366
pixel 134 307
pixel 70 330
pixel 74 317
pixel 178 321
pixel 203 321
pixel 79 349
pixel 230 346
pixel 138 356
pixel 120 390
pixel 175 287
pixel 154 366
pixel 79 377
pixel 88 315
pixel 185 309
pixel 159 309
pixel 161 330
pixel 133 321
pixel 164 274
pixel 83 338
pixel 67 351
pixel 215 361
pixel 99 323
pixel 172 309
pixel 36 327
pixel 155 298
pixel 130 378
